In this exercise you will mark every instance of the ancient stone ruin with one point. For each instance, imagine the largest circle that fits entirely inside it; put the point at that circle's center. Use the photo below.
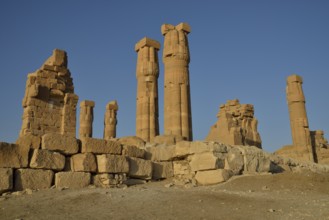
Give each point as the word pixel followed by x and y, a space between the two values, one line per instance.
pixel 48 154
pixel 307 145
pixel 147 73
pixel 236 125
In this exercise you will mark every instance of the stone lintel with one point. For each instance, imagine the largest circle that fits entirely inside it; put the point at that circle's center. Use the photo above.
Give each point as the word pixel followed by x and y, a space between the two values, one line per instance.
pixel 184 27
pixel 147 42
pixel 87 103
pixel 294 78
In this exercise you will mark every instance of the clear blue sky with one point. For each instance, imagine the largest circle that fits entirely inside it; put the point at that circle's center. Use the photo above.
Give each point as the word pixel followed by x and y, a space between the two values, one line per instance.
pixel 239 49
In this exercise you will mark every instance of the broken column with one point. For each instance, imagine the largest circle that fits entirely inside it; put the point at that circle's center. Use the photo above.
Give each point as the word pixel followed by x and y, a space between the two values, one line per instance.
pixel 236 125
pixel 49 102
pixel 147 73
pixel 298 118
pixel 177 103
pixel 110 121
pixel 86 118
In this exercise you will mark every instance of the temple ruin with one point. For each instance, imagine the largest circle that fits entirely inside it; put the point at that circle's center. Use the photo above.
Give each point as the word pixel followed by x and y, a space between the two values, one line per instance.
pixel 110 120
pixel 147 73
pixel 236 125
pixel 177 101
pixel 86 118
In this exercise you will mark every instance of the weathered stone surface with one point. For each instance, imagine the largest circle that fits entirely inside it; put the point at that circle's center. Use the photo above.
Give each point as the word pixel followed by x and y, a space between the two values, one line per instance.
pixel 160 153
pixel 44 159
pixel 72 180
pixel 108 163
pixel 235 161
pixel 132 141
pixel 294 152
pixel 33 179
pixel 13 155
pixel 6 180
pixel 110 120
pixel 167 140
pixel 210 177
pixel 132 182
pixel 139 168
pixel 177 101
pixel 106 180
pixel 255 160
pixel 206 161
pixel 197 147
pixel 236 125
pixel 85 162
pixel 162 170
pixel 29 141
pixel 181 167
pixel 65 144
pixel 133 151
pixel 100 146
pixel 147 73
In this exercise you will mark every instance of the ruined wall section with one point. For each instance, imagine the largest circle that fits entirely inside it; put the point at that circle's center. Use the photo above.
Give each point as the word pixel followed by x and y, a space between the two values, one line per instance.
pixel 49 102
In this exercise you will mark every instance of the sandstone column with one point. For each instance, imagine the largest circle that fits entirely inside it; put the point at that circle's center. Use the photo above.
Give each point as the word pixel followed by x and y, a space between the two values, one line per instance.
pixel 110 121
pixel 69 114
pixel 298 117
pixel 86 118
pixel 176 58
pixel 147 73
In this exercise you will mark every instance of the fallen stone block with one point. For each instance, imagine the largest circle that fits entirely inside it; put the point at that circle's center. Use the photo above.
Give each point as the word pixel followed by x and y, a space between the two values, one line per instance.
pixel 210 177
pixel 133 151
pixel 108 163
pixel 198 147
pixel 106 180
pixel 181 168
pixel 140 169
pixel 132 141
pixel 206 161
pixel 160 153
pixel 33 179
pixel 73 180
pixel 85 162
pixel 13 155
pixel 162 170
pixel 132 182
pixel 67 145
pixel 167 140
pixel 6 180
pixel 234 161
pixel 100 146
pixel 255 160
pixel 44 159
pixel 29 141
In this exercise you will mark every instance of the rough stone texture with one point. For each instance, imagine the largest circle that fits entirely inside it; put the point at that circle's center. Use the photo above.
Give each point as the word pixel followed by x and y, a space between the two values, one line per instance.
pixel 100 146
pixel 236 125
pixel 162 170
pixel 6 180
pixel 177 101
pixel 160 153
pixel 85 162
pixel 197 147
pixel 44 159
pixel 13 155
pixel 132 141
pixel 49 102
pixel 108 163
pixel 181 168
pixel 255 160
pixel 132 151
pixel 147 73
pixel 33 179
pixel 74 180
pixel 110 120
pixel 29 141
pixel 167 140
pixel 235 161
pixel 139 168
pixel 106 180
pixel 206 161
pixel 86 119
pixel 320 147
pixel 210 177
pixel 65 144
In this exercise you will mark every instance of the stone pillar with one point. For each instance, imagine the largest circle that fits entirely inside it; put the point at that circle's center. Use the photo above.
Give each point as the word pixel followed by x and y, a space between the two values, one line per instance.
pixel 110 121
pixel 147 73
pixel 69 114
pixel 86 118
pixel 177 101
pixel 298 117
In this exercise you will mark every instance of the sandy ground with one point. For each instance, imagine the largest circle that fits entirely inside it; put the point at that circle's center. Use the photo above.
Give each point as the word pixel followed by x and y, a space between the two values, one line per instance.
pixel 277 196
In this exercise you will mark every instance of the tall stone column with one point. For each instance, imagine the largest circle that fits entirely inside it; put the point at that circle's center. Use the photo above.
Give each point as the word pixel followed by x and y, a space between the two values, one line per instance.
pixel 177 101
pixel 147 73
pixel 298 118
pixel 69 114
pixel 110 121
pixel 86 118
